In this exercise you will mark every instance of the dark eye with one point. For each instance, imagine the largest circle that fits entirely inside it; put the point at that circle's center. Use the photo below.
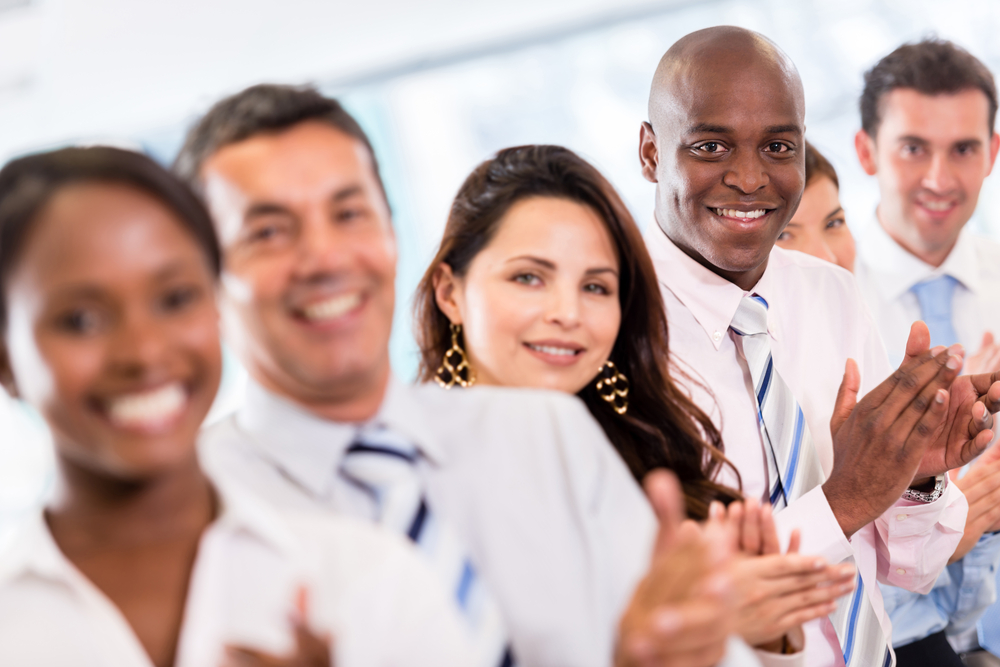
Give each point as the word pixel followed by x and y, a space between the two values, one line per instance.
pixel 778 147
pixel 263 233
pixel 711 147
pixel 912 149
pixel 178 298
pixel 784 236
pixel 80 322
pixel 836 223
pixel 965 149
pixel 349 214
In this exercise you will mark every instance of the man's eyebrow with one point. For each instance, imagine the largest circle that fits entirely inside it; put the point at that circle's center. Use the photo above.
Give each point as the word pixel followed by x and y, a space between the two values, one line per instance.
pixel 347 193
pixel 910 139
pixel 709 128
pixel 266 208
pixel 781 129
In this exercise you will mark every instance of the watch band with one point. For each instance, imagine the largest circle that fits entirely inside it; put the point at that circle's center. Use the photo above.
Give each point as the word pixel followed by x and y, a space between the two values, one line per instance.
pixel 927 496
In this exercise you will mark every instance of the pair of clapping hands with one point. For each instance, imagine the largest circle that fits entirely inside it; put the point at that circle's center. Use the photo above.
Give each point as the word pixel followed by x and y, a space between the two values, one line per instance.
pixel 725 577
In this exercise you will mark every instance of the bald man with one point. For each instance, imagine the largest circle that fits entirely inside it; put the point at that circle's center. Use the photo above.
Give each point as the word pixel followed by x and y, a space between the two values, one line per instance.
pixel 770 333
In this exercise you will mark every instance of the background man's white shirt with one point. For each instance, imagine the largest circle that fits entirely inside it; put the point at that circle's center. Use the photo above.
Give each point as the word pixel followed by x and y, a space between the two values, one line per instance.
pixel 816 321
pixel 885 272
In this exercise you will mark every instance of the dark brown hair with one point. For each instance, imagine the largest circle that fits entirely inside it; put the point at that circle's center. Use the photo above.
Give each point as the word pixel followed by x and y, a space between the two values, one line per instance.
pixel 931 67
pixel 817 165
pixel 29 183
pixel 663 428
pixel 262 109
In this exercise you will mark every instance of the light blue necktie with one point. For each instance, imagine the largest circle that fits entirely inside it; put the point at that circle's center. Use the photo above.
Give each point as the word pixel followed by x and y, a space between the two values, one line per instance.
pixel 989 627
pixel 794 469
pixel 384 464
pixel 935 298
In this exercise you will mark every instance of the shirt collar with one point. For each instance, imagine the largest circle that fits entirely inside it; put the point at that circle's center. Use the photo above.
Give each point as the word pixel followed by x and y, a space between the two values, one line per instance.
pixel 309 448
pixel 895 270
pixel 712 299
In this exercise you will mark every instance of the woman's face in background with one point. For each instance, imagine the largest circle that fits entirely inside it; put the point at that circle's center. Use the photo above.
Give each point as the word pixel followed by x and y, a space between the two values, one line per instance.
pixel 819 227
pixel 112 330
pixel 539 305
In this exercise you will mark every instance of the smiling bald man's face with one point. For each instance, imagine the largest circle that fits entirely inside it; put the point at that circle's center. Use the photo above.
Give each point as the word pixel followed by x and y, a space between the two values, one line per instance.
pixel 726 148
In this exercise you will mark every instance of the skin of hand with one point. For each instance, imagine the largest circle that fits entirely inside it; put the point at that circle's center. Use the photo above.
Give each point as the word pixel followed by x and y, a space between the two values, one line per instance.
pixel 968 427
pixel 987 359
pixel 981 486
pixel 776 592
pixel 881 442
pixel 681 612
pixel 311 649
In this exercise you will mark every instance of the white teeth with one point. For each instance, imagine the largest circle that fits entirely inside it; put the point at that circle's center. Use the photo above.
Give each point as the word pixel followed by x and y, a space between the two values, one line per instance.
pixel 148 407
pixel 742 215
pixel 936 205
pixel 557 351
pixel 332 308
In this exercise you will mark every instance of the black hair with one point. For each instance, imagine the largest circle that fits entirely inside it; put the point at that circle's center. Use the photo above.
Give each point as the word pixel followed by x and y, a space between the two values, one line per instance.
pixel 262 109
pixel 931 67
pixel 29 183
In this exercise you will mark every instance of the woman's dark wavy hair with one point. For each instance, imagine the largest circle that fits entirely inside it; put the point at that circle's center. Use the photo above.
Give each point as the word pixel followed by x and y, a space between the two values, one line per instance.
pixel 663 428
pixel 29 183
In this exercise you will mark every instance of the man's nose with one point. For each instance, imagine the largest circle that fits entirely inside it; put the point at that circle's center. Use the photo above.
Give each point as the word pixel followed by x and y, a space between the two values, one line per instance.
pixel 747 172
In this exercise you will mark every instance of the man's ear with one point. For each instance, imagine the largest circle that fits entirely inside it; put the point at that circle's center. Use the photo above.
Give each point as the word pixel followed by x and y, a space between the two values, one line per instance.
pixel 865 147
pixel 648 156
pixel 445 291
pixel 994 147
pixel 6 373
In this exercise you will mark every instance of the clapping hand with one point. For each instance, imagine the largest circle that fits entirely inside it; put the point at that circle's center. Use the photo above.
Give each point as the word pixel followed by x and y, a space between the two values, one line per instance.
pixel 986 359
pixel 681 612
pixel 776 593
pixel 311 649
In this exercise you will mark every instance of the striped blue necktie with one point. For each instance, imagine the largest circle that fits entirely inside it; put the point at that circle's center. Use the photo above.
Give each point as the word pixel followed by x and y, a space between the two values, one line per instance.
pixel 385 466
pixel 794 469
pixel 934 297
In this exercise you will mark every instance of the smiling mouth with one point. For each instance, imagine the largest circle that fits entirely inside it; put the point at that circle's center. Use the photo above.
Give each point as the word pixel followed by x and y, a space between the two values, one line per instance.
pixel 146 410
pixel 937 206
pixel 555 351
pixel 740 215
pixel 332 308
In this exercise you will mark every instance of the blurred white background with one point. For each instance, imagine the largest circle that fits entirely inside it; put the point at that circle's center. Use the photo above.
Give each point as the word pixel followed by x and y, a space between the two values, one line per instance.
pixel 439 84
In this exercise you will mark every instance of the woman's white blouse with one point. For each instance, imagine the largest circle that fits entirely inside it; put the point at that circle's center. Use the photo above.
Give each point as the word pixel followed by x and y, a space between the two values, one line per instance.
pixel 367 588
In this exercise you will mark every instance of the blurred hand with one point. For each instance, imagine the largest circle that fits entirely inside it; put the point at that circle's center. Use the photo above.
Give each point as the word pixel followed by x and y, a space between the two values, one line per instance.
pixel 681 612
pixel 881 444
pixel 981 486
pixel 776 593
pixel 311 649
pixel 987 359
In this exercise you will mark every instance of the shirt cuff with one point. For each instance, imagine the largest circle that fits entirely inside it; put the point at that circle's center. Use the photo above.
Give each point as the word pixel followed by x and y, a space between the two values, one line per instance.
pixel 820 531
pixel 919 538
pixel 768 659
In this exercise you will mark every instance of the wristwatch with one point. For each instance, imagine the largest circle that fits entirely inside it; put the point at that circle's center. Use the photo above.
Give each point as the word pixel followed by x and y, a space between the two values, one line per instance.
pixel 927 496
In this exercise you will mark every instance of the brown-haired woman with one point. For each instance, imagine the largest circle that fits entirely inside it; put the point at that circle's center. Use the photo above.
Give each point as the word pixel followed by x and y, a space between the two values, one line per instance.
pixel 542 280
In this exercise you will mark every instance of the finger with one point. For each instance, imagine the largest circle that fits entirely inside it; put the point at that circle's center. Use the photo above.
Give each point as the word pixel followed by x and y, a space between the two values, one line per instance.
pixel 878 396
pixel 794 542
pixel 750 536
pixel 927 427
pixel 847 396
pixel 769 543
pixel 239 656
pixel 987 386
pixel 735 523
pixel 918 342
pixel 664 495
pixel 916 391
pixel 804 615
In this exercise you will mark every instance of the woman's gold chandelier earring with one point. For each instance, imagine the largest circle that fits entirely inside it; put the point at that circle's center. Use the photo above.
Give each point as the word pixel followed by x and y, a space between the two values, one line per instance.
pixel 455 368
pixel 612 386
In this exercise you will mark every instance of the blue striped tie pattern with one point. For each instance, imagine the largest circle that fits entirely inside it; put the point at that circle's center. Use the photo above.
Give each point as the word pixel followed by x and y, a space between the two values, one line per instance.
pixel 384 465
pixel 794 469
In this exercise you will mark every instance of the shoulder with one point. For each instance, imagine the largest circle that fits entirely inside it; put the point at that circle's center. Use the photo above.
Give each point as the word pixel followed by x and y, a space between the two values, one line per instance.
pixel 803 279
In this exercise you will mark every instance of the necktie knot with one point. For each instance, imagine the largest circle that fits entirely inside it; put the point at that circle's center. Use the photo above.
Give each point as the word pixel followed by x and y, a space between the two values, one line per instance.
pixel 751 316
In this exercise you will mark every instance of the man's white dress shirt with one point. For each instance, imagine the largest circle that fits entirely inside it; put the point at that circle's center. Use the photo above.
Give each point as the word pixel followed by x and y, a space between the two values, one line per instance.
pixel 816 321
pixel 551 516
pixel 366 587
pixel 886 271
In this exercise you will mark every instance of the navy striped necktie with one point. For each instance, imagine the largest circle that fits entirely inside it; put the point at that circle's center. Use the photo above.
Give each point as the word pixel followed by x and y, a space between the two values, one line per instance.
pixel 794 469
pixel 385 465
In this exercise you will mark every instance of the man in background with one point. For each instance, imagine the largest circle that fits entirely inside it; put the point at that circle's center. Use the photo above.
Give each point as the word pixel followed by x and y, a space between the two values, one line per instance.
pixel 927 116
